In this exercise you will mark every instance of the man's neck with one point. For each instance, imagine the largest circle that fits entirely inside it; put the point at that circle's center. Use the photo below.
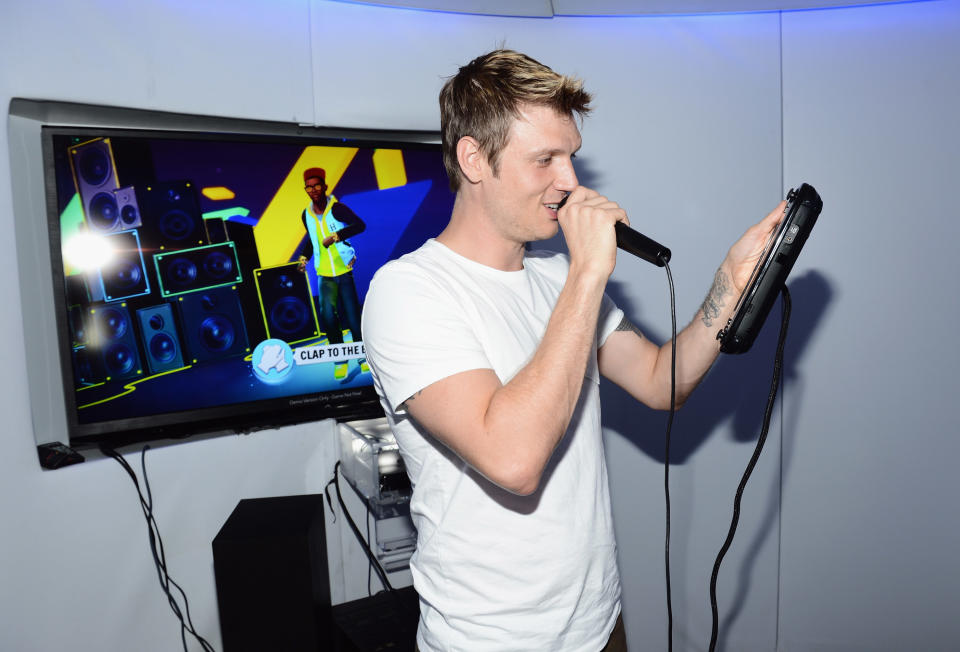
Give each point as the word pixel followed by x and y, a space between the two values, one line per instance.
pixel 320 205
pixel 472 236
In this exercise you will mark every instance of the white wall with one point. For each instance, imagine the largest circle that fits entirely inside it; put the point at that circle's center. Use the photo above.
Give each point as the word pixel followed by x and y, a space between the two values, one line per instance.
pixel 75 562
pixel 871 99
pixel 690 134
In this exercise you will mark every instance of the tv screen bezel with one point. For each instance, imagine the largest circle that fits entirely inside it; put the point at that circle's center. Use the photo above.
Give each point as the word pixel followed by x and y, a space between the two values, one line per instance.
pixel 340 405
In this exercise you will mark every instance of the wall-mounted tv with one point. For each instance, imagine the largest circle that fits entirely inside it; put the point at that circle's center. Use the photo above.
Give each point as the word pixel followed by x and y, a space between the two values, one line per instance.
pixel 213 281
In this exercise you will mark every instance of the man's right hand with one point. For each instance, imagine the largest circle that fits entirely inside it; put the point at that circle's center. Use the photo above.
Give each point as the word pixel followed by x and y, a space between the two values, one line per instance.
pixel 587 220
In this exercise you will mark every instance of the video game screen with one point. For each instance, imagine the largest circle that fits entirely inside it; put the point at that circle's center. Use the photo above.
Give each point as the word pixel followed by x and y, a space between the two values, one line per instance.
pixel 219 279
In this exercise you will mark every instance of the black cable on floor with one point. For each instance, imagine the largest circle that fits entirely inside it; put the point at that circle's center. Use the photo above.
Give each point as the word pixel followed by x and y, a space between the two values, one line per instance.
pixel 156 549
pixel 771 399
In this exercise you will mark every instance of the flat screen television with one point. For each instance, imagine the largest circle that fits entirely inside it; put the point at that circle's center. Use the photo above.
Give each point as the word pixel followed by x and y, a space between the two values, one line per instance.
pixel 190 296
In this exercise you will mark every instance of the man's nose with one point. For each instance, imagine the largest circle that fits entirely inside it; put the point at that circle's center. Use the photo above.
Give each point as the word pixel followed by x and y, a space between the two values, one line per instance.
pixel 567 178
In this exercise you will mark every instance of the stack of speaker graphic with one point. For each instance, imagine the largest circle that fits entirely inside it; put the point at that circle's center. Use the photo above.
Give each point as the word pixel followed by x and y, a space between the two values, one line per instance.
pixel 169 297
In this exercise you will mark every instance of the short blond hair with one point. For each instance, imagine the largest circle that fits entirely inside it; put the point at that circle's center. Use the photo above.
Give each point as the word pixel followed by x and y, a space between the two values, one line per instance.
pixel 485 96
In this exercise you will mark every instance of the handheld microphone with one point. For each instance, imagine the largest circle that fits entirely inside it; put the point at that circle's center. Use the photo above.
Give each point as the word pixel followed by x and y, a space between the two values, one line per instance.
pixel 641 246
pixel 636 243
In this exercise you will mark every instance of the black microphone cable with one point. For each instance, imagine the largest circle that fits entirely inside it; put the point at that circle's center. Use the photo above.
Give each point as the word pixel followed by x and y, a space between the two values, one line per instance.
pixel 661 258
pixel 774 387
pixel 666 455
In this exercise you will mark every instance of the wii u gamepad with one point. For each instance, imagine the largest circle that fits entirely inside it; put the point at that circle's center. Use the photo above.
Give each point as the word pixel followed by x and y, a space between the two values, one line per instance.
pixel 769 275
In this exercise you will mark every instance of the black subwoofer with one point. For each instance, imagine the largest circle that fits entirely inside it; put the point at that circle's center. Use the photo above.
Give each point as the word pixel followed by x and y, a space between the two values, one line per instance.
pixel 273 586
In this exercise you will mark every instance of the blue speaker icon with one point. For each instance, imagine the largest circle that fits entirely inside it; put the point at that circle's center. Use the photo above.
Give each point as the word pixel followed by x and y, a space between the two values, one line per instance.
pixel 161 343
pixel 114 342
pixel 213 325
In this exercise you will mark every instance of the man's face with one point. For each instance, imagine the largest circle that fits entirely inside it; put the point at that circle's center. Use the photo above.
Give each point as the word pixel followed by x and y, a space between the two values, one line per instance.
pixel 536 172
pixel 316 189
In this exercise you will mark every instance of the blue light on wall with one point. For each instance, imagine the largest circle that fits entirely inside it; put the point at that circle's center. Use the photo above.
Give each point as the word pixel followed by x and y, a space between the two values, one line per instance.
pixel 558 8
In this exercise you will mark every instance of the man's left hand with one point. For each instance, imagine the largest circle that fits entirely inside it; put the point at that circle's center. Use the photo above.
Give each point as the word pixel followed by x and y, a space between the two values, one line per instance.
pixel 746 252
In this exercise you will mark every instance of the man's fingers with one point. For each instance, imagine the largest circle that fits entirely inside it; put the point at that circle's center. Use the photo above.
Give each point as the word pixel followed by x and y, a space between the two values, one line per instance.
pixel 776 214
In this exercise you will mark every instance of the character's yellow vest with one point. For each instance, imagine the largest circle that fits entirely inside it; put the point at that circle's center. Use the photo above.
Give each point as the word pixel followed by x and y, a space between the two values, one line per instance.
pixel 339 257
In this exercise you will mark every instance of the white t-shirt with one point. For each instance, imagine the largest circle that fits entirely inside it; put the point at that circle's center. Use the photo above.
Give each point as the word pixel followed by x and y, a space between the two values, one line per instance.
pixel 494 571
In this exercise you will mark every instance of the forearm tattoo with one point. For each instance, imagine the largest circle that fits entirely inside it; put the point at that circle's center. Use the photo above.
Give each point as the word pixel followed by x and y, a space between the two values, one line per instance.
pixel 626 325
pixel 716 298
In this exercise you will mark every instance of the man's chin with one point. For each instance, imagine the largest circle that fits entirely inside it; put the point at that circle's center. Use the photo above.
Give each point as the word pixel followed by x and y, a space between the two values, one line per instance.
pixel 548 231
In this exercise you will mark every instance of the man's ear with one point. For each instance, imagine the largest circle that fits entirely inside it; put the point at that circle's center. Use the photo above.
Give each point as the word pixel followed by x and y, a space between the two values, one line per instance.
pixel 472 161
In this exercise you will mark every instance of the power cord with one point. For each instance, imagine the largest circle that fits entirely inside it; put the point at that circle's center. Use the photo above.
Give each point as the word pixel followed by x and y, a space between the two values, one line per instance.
pixel 156 548
pixel 774 387
pixel 364 544
pixel 369 567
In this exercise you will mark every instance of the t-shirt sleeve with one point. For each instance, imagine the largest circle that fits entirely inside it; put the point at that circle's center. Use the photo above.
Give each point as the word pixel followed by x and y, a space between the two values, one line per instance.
pixel 610 318
pixel 414 334
pixel 557 266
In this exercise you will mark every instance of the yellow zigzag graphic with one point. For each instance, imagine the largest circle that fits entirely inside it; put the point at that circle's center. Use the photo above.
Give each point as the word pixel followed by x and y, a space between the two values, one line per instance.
pixel 279 230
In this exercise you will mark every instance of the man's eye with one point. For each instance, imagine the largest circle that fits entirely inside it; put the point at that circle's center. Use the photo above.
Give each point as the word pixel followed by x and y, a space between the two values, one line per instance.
pixel 544 161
